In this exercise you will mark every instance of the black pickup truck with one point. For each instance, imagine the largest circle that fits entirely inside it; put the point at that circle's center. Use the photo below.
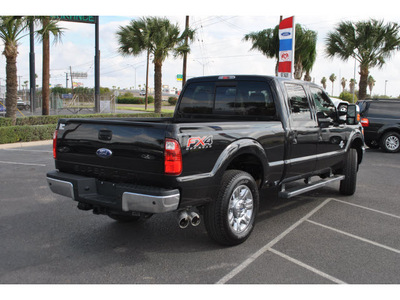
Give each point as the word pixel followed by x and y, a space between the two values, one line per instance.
pixel 229 137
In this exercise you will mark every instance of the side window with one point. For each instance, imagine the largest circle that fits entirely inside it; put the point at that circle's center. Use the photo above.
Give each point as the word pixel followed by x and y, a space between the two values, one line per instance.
pixel 255 99
pixel 298 102
pixel 198 98
pixel 323 103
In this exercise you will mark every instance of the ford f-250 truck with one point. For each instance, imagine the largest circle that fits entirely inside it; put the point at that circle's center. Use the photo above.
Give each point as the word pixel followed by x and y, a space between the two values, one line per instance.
pixel 229 137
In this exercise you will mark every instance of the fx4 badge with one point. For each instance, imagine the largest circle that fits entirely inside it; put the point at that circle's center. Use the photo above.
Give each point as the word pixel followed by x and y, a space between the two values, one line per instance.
pixel 199 142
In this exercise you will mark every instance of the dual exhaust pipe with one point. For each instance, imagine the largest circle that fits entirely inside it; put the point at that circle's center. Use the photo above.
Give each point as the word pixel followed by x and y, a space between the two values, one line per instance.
pixel 185 217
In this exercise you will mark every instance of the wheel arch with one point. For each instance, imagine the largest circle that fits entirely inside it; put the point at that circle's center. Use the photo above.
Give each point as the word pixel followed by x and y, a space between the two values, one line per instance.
pixel 249 157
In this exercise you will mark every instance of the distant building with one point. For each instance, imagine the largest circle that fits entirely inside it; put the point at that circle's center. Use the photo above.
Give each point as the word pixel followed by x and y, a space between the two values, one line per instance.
pixel 2 91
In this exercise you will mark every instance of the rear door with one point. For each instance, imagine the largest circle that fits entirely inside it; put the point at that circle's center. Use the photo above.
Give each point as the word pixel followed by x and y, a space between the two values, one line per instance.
pixel 303 133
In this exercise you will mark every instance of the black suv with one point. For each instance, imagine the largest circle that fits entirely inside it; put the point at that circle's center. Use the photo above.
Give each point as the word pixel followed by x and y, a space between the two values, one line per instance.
pixel 381 122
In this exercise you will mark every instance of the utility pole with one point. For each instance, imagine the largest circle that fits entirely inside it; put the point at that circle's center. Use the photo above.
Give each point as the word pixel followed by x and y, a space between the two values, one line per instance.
pixel 72 81
pixel 185 54
pixel 147 79
pixel 32 78
pixel 66 80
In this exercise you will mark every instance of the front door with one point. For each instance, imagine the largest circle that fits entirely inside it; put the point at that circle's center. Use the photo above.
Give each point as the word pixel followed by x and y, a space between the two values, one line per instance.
pixel 303 136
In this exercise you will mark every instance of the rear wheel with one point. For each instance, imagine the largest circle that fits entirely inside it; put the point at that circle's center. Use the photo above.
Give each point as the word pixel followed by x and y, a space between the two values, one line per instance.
pixel 230 219
pixel 349 183
pixel 390 142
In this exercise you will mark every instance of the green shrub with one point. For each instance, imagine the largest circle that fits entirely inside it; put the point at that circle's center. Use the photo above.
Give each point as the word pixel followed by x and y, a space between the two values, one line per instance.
pixel 26 133
pixel 346 96
pixel 172 100
pixel 134 100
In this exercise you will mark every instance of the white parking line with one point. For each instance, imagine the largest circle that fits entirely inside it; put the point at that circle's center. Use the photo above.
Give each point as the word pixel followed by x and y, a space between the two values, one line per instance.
pixel 305 266
pixel 367 208
pixel 18 163
pixel 355 237
pixel 268 246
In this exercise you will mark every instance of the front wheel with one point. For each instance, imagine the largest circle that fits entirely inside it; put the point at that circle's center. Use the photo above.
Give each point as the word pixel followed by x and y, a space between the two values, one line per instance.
pixel 349 183
pixel 390 142
pixel 230 219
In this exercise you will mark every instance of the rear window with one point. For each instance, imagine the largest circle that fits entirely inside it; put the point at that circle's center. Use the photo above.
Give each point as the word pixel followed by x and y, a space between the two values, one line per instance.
pixel 380 109
pixel 243 98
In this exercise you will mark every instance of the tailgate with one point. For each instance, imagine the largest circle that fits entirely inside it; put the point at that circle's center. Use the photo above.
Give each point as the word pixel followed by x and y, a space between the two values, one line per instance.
pixel 112 150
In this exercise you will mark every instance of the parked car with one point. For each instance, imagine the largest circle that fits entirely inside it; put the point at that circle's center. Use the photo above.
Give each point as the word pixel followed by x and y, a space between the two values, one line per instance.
pixel 21 104
pixel 381 122
pixel 230 136
pixel 142 93
pixel 2 105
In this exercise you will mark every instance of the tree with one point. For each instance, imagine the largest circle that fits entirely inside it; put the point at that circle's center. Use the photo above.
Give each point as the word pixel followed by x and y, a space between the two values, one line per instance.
pixel 11 29
pixel 371 83
pixel 153 35
pixel 267 42
pixel 352 85
pixel 343 83
pixel 369 42
pixel 49 27
pixel 323 82
pixel 332 78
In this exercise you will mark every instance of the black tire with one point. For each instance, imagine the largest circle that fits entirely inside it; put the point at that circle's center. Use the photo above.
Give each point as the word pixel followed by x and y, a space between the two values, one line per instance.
pixel 123 218
pixel 230 219
pixel 349 183
pixel 390 142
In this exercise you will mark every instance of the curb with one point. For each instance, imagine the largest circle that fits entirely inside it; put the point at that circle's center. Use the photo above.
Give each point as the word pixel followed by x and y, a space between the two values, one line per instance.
pixel 26 144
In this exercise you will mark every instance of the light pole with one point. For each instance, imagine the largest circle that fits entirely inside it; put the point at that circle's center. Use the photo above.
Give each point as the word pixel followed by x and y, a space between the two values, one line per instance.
pixel 135 72
pixel 203 64
pixel 385 86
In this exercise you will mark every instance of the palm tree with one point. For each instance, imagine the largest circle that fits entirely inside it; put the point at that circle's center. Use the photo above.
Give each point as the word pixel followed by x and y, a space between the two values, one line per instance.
pixel 323 82
pixel 332 78
pixel 343 83
pixel 49 27
pixel 267 42
pixel 352 85
pixel 369 42
pixel 305 51
pixel 156 36
pixel 11 29
pixel 371 84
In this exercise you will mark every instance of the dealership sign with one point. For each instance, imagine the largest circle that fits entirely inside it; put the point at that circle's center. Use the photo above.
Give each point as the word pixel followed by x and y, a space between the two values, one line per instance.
pixel 286 47
pixel 79 19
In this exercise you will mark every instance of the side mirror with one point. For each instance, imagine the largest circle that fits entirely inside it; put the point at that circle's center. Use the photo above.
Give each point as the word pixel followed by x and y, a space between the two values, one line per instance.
pixel 323 120
pixel 342 112
pixel 351 114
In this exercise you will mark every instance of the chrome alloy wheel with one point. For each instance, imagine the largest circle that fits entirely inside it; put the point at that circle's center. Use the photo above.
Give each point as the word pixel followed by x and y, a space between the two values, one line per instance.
pixel 392 142
pixel 240 209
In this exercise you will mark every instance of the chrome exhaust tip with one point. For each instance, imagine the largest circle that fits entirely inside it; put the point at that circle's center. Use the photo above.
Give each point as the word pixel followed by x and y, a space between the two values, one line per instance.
pixel 183 219
pixel 194 218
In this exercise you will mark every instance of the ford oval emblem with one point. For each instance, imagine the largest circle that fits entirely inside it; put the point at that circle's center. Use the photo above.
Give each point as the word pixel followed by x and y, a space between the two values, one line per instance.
pixel 104 153
pixel 285 33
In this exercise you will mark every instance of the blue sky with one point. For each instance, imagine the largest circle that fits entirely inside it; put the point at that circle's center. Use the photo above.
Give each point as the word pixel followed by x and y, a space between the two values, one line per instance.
pixel 218 48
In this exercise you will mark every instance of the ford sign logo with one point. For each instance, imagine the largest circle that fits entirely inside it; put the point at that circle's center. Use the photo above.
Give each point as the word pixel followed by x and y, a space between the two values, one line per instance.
pixel 104 153
pixel 285 33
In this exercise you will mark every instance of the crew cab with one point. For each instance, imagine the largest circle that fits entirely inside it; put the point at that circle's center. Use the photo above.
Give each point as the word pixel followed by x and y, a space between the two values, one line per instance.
pixel 229 137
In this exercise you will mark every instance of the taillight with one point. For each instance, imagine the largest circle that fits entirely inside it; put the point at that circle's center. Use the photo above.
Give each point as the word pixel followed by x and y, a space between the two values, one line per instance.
pixel 55 144
pixel 364 122
pixel 172 157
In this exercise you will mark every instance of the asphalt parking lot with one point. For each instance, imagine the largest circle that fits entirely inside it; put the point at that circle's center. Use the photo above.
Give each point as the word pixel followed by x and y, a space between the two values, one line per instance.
pixel 318 238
